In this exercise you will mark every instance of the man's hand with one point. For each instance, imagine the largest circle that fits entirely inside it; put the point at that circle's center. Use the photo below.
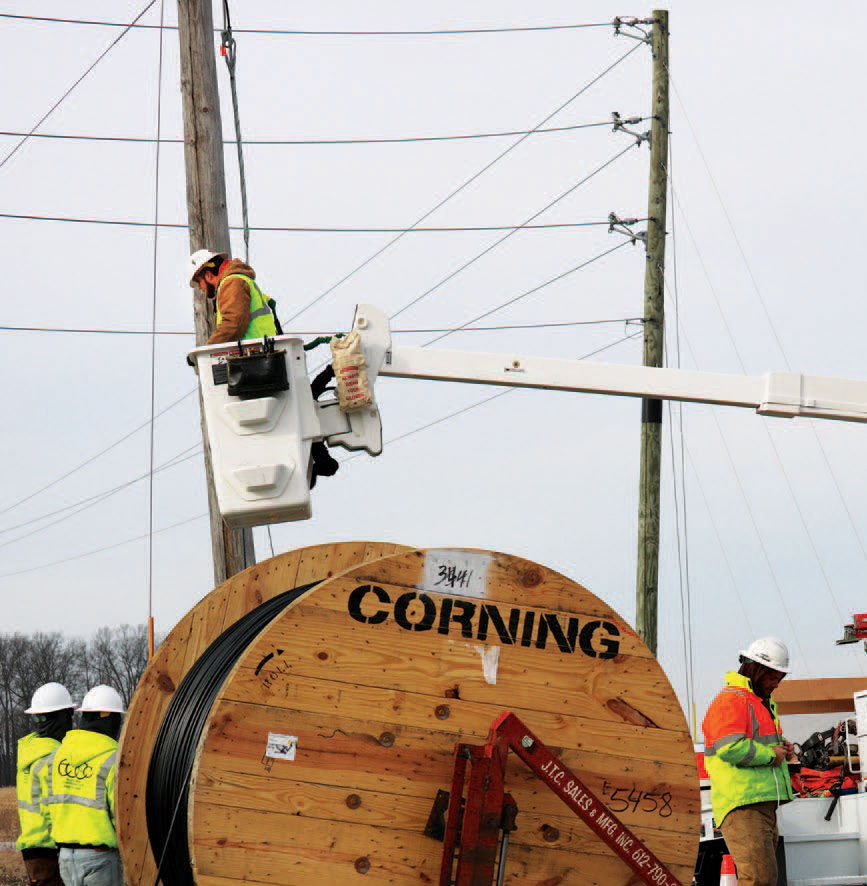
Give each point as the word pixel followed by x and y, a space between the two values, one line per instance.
pixel 791 756
pixel 781 754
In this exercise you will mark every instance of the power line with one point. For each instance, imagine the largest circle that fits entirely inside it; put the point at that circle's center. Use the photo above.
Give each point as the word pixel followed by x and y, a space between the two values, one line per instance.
pixel 304 230
pixel 535 215
pixel 320 141
pixel 300 33
pixel 93 458
pixel 102 550
pixel 465 184
pixel 87 503
pixel 511 301
pixel 322 332
pixel 403 436
pixel 486 400
pixel 62 98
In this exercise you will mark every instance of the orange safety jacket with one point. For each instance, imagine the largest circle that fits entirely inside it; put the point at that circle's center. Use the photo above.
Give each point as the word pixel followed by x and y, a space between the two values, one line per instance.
pixel 740 734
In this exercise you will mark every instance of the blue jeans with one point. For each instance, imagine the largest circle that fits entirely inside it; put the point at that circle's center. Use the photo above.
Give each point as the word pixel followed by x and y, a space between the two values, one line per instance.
pixel 90 867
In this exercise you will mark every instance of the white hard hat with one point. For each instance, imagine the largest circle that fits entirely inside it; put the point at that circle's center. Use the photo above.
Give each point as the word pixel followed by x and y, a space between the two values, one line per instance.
pixel 102 699
pixel 770 652
pixel 50 697
pixel 199 259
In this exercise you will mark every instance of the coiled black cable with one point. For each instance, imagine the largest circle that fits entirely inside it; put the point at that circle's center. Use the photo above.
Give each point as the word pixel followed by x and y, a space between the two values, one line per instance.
pixel 174 751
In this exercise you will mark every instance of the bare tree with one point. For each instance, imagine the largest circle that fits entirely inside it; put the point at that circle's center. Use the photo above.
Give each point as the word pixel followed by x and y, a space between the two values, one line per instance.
pixel 114 656
pixel 13 649
pixel 118 657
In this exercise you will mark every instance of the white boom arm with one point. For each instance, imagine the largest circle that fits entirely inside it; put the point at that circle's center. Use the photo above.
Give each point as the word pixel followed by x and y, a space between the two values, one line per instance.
pixel 785 394
pixel 263 444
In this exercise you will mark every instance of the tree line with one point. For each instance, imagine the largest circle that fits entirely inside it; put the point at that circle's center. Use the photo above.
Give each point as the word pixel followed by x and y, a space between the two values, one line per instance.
pixel 113 656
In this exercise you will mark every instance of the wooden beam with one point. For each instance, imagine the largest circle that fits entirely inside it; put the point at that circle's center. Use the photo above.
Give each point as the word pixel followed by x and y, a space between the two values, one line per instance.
pixel 827 696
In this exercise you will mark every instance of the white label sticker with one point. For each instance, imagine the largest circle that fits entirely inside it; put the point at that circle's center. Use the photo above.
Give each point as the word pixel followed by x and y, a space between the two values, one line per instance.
pixel 490 659
pixel 281 747
pixel 463 573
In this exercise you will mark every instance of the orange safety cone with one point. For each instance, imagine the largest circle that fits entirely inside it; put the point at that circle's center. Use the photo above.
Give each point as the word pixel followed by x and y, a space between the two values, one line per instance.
pixel 727 875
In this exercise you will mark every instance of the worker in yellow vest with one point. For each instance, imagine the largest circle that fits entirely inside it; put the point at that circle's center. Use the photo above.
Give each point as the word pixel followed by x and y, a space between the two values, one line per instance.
pixel 51 714
pixel 243 310
pixel 745 755
pixel 82 785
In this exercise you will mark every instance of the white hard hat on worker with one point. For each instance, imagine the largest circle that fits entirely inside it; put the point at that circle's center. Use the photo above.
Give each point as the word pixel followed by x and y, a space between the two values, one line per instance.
pixel 102 699
pixel 48 698
pixel 200 260
pixel 770 652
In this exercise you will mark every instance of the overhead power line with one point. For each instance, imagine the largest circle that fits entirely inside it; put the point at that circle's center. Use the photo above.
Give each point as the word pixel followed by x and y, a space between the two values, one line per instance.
pixel 462 186
pixel 304 230
pixel 318 141
pixel 323 332
pixel 399 437
pixel 528 223
pixel 84 504
pixel 66 94
pixel 93 458
pixel 303 33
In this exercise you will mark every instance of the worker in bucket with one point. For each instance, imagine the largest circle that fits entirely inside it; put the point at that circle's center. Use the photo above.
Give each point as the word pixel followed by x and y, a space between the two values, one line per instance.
pixel 51 715
pixel 245 312
pixel 81 804
pixel 745 755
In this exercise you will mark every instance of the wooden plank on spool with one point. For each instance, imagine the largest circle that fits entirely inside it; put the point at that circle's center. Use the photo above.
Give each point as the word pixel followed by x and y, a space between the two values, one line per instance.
pixel 407 762
pixel 376 674
pixel 180 650
pixel 833 695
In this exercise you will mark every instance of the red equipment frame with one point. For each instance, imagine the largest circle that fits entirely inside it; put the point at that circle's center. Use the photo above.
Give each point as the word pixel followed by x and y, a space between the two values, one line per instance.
pixel 488 809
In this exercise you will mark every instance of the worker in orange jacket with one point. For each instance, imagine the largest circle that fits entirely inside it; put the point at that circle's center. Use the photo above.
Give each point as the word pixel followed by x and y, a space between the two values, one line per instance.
pixel 745 754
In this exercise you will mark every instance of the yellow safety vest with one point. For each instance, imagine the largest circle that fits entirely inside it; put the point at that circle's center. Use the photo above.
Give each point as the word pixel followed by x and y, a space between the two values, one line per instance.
pixel 739 736
pixel 261 315
pixel 34 754
pixel 81 798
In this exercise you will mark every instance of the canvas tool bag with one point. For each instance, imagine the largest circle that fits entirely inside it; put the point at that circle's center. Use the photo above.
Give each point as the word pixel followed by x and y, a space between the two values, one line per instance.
pixel 257 373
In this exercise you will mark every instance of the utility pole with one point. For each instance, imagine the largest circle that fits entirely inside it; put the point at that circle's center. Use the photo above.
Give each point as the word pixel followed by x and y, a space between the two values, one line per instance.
pixel 208 225
pixel 647 581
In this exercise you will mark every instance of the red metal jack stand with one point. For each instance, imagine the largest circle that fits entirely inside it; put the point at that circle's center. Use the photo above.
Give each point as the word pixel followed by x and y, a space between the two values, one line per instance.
pixel 474 822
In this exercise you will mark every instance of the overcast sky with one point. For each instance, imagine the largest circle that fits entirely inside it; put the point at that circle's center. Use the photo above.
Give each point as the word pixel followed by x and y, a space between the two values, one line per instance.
pixel 764 271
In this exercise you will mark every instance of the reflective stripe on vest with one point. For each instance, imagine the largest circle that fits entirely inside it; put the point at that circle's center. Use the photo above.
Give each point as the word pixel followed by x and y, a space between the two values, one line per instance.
pixel 773 739
pixel 33 805
pixel 98 801
pixel 32 791
pixel 261 316
pixel 740 734
pixel 80 799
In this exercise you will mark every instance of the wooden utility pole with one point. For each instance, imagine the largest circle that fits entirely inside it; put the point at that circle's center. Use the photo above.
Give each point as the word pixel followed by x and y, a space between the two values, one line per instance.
pixel 647 583
pixel 209 226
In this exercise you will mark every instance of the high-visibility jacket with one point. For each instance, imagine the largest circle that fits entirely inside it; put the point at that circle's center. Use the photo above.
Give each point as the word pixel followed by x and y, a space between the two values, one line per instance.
pixel 81 799
pixel 740 734
pixel 261 315
pixel 34 754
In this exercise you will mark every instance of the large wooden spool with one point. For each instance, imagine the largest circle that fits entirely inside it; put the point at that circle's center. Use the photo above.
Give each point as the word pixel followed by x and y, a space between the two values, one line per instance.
pixel 331 735
pixel 180 650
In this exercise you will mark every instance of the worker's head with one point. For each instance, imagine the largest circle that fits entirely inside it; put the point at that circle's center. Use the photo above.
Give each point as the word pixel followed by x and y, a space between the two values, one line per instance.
pixel 102 711
pixel 204 267
pixel 51 711
pixel 765 662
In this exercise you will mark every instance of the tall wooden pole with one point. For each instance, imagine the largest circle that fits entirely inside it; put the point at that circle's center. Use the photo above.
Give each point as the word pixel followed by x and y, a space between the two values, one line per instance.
pixel 209 226
pixel 647 582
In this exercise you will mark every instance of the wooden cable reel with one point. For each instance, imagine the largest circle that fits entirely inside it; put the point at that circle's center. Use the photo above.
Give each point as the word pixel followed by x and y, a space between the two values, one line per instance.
pixel 180 650
pixel 328 740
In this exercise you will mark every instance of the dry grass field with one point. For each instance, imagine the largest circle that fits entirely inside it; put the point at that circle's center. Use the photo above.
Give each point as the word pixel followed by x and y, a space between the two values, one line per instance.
pixel 11 866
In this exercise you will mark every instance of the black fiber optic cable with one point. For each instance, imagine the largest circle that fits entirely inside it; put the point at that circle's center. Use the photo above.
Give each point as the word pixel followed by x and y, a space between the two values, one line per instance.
pixel 174 751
